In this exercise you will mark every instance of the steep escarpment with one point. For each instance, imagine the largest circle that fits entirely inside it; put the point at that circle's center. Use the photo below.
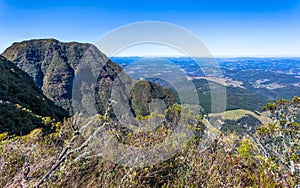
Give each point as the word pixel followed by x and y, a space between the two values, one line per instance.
pixel 53 65
pixel 23 106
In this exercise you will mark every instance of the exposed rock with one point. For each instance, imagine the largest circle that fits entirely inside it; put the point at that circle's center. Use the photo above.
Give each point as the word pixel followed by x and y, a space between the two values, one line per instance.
pixel 53 66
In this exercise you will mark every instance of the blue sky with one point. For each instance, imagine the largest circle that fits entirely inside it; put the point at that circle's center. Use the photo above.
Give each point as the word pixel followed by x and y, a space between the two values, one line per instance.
pixel 227 27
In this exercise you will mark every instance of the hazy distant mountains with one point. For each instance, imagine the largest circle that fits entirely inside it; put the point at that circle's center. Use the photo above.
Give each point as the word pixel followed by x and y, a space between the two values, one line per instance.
pixel 250 82
pixel 44 82
pixel 271 77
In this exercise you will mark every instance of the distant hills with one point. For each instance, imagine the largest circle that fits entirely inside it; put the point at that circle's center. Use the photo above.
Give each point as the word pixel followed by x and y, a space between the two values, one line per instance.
pixel 53 65
pixel 250 82
pixel 47 86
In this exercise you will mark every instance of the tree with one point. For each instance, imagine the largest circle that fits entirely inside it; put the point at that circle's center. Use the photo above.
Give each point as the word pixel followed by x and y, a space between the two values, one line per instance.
pixel 280 141
pixel 78 130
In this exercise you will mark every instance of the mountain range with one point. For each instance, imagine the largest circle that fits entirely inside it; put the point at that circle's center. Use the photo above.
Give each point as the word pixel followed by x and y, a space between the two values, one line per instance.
pixel 52 66
pixel 250 82
pixel 47 87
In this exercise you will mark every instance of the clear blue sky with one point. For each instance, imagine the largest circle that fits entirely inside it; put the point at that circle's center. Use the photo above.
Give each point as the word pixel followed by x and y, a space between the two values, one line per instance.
pixel 227 27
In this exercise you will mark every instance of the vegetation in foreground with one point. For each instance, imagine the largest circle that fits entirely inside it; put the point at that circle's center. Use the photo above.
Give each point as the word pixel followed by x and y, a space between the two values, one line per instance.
pixel 268 158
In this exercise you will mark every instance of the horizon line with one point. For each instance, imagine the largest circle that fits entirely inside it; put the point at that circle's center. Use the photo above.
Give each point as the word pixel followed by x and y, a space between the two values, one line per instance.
pixel 216 56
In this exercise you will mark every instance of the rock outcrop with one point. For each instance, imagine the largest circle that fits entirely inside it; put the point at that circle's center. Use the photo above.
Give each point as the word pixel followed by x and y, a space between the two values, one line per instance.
pixel 53 65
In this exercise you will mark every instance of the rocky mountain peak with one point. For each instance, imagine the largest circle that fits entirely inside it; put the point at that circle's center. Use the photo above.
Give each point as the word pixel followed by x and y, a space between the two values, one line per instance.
pixel 53 64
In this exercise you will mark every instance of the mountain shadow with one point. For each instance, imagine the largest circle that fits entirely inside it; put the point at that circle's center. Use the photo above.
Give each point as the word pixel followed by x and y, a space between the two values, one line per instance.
pixel 23 107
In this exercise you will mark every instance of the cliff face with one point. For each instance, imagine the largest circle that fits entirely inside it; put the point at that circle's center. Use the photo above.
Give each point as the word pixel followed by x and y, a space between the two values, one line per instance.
pixel 53 64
